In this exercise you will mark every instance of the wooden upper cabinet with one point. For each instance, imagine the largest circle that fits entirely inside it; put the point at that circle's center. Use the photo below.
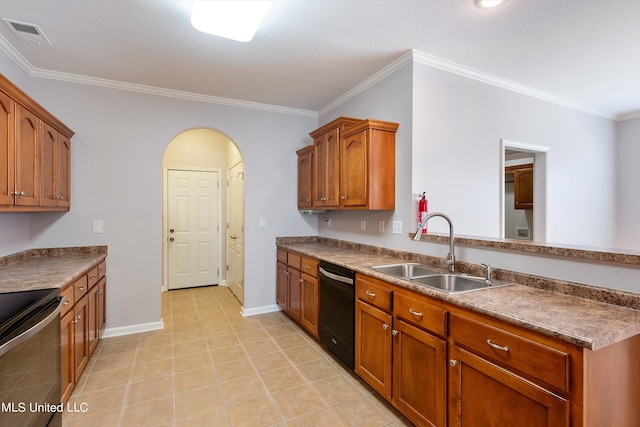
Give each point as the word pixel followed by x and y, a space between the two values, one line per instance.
pixel 522 185
pixel 326 170
pixel 305 174
pixel 7 163
pixel 367 161
pixel 27 158
pixel 35 153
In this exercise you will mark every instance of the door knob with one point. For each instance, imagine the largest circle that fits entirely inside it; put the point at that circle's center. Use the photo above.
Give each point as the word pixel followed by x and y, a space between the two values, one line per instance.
pixel 171 230
pixel 171 239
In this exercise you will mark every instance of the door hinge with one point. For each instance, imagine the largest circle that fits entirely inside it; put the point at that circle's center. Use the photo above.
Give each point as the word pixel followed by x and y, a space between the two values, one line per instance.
pixel 227 267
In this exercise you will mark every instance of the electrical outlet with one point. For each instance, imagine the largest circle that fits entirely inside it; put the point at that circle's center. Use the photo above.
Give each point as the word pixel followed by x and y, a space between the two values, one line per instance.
pixel 381 226
pixel 396 227
pixel 96 226
pixel 363 224
pixel 262 223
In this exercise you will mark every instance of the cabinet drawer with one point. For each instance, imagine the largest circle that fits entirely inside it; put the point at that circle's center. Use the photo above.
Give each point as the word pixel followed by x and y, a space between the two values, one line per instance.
pixel 528 357
pixel 67 304
pixel 420 313
pixel 374 292
pixel 310 266
pixel 293 260
pixel 80 288
pixel 92 277
pixel 102 269
pixel 282 256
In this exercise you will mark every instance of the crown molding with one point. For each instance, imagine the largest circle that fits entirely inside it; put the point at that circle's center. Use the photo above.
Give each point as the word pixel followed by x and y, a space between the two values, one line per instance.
pixel 149 90
pixel 628 116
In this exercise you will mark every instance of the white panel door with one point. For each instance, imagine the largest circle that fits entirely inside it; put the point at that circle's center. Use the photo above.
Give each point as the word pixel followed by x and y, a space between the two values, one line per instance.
pixel 235 230
pixel 193 228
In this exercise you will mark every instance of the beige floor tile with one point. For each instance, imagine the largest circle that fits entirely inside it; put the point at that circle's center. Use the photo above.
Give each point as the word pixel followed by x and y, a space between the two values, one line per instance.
pixel 290 340
pixel 254 414
pixel 298 401
pixel 190 380
pixel 192 361
pixel 271 319
pixel 149 389
pixel 101 402
pixel 335 390
pixel 155 339
pixel 228 354
pixel 222 341
pixel 359 412
pixel 245 324
pixel 243 390
pixel 217 418
pixel 189 347
pixel 318 369
pixel 321 418
pixel 270 361
pixel 110 419
pixel 147 355
pixel 113 361
pixel 281 329
pixel 260 347
pixel 188 335
pixel 252 335
pixel 151 413
pixel 117 347
pixel 234 370
pixel 302 354
pixel 198 401
pixel 107 379
pixel 152 369
pixel 281 379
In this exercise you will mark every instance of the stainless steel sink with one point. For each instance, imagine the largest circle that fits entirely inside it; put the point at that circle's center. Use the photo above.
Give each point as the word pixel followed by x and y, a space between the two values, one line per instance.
pixel 454 284
pixel 407 270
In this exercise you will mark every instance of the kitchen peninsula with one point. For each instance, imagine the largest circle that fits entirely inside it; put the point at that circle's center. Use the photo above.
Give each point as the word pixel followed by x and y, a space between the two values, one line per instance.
pixel 558 358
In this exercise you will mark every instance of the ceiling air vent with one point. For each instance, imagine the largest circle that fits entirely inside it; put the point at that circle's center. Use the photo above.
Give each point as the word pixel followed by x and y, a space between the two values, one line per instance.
pixel 29 32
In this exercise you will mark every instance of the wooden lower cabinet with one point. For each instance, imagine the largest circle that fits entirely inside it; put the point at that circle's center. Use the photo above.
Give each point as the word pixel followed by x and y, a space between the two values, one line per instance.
pixel 485 394
pixel 82 322
pixel 297 289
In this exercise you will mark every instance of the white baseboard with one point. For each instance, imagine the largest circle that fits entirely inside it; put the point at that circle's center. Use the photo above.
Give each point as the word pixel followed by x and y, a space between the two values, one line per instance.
pixel 133 329
pixel 260 310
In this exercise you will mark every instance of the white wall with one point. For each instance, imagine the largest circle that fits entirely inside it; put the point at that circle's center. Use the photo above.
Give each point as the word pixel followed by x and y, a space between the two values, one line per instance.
pixel 116 170
pixel 628 139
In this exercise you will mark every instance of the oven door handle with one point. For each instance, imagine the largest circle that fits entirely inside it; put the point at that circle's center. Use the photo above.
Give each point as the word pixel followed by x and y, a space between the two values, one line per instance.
pixel 336 277
pixel 16 341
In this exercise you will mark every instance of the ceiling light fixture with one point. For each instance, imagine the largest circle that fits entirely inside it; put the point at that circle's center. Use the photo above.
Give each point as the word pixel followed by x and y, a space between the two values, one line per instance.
pixel 489 4
pixel 235 20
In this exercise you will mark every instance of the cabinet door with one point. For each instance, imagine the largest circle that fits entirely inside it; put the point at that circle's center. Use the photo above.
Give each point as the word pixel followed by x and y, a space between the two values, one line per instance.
pixel 67 353
pixel 92 323
pixel 294 294
pixel 484 394
pixel 354 183
pixel 62 178
pixel 373 347
pixel 305 182
pixel 523 188
pixel 419 375
pixel 49 166
pixel 326 175
pixel 309 312
pixel 7 156
pixel 102 306
pixel 281 285
pixel 81 339
pixel 27 157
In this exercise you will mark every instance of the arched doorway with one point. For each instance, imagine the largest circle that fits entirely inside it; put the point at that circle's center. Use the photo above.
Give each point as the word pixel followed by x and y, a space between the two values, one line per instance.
pixel 203 212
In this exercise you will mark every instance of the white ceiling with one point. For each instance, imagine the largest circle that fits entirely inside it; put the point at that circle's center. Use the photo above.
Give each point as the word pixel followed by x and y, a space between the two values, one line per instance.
pixel 308 53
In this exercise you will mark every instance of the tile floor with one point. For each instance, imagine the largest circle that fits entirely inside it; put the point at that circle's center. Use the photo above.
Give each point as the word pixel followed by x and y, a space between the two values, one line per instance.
pixel 211 367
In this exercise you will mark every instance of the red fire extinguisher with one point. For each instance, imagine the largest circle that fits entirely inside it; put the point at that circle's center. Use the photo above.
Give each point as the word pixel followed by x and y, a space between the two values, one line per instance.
pixel 422 211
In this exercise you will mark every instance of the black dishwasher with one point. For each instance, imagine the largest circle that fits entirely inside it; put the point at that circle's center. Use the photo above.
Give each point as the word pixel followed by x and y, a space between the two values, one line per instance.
pixel 337 310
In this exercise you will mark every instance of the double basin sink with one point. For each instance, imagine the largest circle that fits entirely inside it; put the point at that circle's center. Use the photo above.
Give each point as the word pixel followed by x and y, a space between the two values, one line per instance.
pixel 429 277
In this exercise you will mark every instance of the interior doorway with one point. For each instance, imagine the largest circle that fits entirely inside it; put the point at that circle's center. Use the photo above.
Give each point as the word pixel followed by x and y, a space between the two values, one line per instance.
pixel 195 168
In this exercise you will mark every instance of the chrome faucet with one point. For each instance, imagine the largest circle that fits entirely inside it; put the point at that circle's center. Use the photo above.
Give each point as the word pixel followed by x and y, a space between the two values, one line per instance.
pixel 451 258
pixel 487 276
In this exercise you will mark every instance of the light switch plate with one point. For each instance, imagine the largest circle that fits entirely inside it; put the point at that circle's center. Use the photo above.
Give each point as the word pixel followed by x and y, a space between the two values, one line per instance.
pixel 381 226
pixel 263 223
pixel 96 226
pixel 396 227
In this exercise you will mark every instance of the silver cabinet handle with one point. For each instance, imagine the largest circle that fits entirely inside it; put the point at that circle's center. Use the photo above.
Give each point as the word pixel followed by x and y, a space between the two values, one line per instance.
pixel 18 193
pixel 497 347
pixel 385 326
pixel 370 294
pixel 67 301
pixel 453 362
pixel 81 288
pixel 415 313
pixel 344 197
pixel 394 332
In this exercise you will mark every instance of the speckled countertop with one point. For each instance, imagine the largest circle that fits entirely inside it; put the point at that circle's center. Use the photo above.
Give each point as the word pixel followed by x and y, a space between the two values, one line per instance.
pixel 47 268
pixel 585 322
